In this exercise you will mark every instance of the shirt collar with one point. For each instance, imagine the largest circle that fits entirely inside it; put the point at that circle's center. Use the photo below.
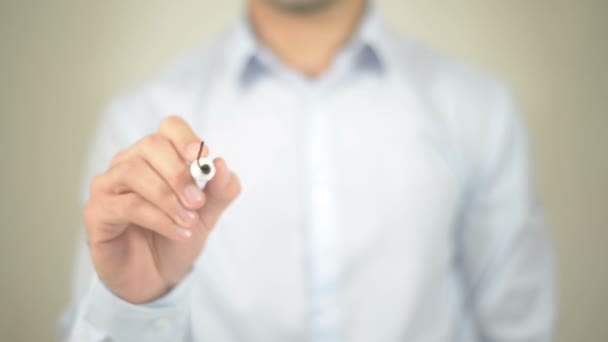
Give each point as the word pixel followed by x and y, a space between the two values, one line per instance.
pixel 369 41
pixel 249 59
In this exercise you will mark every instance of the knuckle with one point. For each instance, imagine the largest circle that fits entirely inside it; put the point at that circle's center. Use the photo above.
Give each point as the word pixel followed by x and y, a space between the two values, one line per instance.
pixel 170 121
pixel 130 166
pixel 163 194
pixel 177 177
pixel 88 213
pixel 117 158
pixel 95 185
pixel 152 144
pixel 92 216
pixel 151 141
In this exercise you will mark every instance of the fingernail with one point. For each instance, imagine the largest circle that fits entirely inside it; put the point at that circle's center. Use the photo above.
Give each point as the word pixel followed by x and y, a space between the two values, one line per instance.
pixel 193 194
pixel 192 150
pixel 186 216
pixel 184 233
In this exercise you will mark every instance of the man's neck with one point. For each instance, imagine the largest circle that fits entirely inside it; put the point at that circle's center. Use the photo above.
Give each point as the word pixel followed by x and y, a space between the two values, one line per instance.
pixel 306 42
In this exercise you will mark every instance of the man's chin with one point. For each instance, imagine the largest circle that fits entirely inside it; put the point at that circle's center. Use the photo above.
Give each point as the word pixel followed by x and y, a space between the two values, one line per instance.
pixel 302 7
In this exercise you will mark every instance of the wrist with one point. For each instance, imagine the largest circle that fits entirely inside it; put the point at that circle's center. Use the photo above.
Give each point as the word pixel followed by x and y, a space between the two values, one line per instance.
pixel 136 291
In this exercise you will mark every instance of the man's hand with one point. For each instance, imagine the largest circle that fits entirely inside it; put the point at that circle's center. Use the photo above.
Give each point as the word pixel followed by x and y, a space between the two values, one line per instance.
pixel 146 219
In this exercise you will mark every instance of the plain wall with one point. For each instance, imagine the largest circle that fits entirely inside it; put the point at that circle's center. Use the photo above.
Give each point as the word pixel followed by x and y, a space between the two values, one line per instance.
pixel 61 60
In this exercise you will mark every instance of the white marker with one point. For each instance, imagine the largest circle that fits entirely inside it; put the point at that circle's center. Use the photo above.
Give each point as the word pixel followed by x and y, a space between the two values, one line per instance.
pixel 202 170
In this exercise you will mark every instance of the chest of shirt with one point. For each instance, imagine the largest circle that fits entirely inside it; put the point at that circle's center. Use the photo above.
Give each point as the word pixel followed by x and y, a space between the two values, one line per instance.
pixel 373 156
pixel 385 160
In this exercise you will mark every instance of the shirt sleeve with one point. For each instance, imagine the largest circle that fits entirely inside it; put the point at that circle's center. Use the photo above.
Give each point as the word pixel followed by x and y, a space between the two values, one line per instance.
pixel 507 256
pixel 105 317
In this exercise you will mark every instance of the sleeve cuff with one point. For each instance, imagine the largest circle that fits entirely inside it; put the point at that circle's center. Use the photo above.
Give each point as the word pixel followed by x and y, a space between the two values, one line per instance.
pixel 165 319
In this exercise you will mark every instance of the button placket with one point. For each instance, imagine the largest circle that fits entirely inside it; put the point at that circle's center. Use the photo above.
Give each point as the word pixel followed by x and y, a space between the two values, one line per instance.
pixel 323 233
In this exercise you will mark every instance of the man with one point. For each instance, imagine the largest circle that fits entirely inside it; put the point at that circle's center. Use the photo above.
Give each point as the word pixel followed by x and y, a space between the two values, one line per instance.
pixel 386 195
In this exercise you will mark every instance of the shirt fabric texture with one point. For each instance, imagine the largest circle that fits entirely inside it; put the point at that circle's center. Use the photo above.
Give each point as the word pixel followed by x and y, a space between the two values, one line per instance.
pixel 390 199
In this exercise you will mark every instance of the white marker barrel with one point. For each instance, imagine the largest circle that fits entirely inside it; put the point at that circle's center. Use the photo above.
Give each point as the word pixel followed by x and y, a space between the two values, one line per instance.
pixel 203 171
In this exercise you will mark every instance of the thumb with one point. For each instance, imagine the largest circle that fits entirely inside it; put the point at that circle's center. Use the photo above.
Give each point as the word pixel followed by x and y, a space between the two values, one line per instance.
pixel 220 192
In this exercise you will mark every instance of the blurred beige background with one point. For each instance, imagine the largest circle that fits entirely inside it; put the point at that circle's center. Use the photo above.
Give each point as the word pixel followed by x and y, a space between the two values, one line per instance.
pixel 61 60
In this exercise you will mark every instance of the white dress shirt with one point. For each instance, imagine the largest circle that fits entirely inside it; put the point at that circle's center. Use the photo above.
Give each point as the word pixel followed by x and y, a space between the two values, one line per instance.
pixel 388 200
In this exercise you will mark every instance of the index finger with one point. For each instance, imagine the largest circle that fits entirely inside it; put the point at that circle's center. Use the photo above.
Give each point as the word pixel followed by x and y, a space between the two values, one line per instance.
pixel 183 138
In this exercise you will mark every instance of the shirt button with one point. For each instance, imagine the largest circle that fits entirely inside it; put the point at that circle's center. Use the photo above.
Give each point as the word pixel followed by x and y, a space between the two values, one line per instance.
pixel 161 323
